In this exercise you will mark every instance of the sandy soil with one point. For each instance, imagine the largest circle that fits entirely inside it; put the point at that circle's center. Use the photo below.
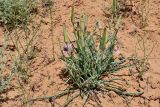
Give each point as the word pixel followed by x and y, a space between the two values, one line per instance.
pixel 46 76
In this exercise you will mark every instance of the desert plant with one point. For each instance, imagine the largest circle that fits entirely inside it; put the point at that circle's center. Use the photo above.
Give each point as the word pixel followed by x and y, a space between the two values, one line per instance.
pixel 88 61
pixel 4 79
pixel 15 13
pixel 21 60
pixel 25 50
pixel 19 67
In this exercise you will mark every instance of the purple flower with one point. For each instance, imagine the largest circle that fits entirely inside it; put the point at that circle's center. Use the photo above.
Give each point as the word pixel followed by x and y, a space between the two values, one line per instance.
pixel 67 47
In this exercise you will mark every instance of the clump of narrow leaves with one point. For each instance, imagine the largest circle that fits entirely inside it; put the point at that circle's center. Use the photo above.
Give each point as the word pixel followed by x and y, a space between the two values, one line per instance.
pixel 87 62
pixel 88 59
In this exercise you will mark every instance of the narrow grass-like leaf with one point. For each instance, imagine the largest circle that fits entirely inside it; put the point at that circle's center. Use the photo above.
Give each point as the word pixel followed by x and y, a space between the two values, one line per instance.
pixel 103 40
pixel 72 16
pixel 85 24
pixel 114 6
pixel 118 22
pixel 65 34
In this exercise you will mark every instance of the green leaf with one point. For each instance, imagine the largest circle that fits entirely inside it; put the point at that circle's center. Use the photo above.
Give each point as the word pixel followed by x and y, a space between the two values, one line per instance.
pixel 114 6
pixel 103 40
pixel 72 15
pixel 85 23
pixel 118 22
pixel 66 39
pixel 80 33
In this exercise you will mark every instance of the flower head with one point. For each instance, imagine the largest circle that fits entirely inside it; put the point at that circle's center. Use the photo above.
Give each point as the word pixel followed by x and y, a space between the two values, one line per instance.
pixel 67 47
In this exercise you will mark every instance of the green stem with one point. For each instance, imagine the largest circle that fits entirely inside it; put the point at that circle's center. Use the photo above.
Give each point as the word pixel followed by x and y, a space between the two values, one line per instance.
pixel 125 93
pixel 52 96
